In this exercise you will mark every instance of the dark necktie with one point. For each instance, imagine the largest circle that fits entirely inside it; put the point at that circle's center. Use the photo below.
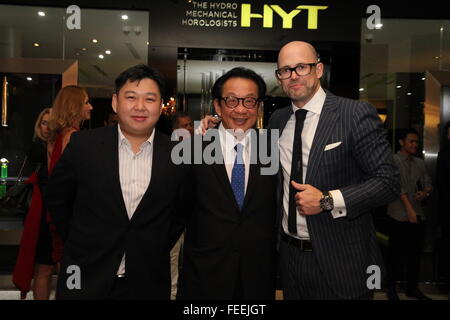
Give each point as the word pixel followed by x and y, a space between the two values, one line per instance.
pixel 238 176
pixel 296 169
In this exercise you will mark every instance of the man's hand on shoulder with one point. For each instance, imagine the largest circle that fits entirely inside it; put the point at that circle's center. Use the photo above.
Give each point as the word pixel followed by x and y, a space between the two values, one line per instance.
pixel 208 122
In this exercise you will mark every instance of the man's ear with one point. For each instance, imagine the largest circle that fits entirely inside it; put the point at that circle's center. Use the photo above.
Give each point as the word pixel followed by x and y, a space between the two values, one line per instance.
pixel 401 142
pixel 320 69
pixel 217 107
pixel 114 102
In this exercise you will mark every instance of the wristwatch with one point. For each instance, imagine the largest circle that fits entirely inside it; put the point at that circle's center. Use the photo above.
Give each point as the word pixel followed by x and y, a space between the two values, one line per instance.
pixel 326 202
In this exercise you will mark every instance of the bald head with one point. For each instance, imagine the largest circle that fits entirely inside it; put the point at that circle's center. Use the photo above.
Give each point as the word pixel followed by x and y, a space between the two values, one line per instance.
pixel 297 50
pixel 300 88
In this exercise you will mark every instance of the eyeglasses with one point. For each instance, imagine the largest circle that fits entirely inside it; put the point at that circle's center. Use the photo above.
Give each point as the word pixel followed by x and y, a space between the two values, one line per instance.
pixel 232 102
pixel 302 69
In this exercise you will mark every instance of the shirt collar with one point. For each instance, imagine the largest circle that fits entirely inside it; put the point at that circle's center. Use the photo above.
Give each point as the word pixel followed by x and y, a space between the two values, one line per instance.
pixel 229 141
pixel 123 139
pixel 315 105
pixel 403 156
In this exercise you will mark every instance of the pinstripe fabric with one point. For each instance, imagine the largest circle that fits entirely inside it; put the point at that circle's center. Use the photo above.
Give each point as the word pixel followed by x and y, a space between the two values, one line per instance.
pixel 135 172
pixel 362 169
pixel 305 280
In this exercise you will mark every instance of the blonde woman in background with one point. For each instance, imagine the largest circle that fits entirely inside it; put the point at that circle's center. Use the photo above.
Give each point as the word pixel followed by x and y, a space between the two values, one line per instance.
pixel 44 266
pixel 34 259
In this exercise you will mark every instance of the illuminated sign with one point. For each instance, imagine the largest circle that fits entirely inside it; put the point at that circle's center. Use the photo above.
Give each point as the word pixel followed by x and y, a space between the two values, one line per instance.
pixel 225 14
pixel 267 15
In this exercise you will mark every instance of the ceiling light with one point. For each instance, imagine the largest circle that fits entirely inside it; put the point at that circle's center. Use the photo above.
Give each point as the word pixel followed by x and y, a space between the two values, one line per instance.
pixel 409 94
pixel 29 78
pixel 101 56
pixel 108 51
pixel 94 40
pixel 398 87
pixel 83 49
pixel 41 13
pixel 361 89
pixel 378 26
pixel 36 44
pixel 124 17
pixel 148 43
pixel 423 79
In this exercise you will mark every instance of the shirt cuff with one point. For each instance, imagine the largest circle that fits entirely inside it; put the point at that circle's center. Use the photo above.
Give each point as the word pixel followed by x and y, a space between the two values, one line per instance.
pixel 339 210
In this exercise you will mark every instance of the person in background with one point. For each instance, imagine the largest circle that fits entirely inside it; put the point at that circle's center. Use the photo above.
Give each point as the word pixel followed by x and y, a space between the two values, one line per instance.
pixel 44 266
pixel 111 119
pixel 181 120
pixel 34 259
pixel 407 230
pixel 70 109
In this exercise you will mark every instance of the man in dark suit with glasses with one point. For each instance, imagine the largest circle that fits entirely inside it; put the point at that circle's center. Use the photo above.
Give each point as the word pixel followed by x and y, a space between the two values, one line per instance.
pixel 336 165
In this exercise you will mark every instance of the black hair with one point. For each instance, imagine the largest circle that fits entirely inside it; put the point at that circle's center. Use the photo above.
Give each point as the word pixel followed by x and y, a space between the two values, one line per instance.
pixel 174 118
pixel 239 72
pixel 403 133
pixel 139 72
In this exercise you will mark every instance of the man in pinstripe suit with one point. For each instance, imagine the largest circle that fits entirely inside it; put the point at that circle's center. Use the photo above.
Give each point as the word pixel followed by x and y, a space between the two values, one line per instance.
pixel 342 169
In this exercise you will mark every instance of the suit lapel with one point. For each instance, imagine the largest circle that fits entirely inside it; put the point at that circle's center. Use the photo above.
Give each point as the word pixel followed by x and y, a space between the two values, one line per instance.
pixel 110 146
pixel 221 174
pixel 255 166
pixel 252 182
pixel 159 170
pixel 327 121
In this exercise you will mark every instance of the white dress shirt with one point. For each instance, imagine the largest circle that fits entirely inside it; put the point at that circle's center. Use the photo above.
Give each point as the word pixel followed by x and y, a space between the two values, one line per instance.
pixel 135 170
pixel 314 108
pixel 227 142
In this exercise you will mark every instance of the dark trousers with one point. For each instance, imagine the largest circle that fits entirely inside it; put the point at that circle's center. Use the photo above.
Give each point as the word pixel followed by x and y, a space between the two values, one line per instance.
pixel 301 277
pixel 238 293
pixel 120 289
pixel 405 248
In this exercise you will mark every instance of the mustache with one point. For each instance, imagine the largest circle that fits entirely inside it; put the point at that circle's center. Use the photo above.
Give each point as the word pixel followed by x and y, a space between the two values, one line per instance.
pixel 293 82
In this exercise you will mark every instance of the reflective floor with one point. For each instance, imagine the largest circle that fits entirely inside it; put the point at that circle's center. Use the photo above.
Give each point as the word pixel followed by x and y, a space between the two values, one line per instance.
pixel 436 292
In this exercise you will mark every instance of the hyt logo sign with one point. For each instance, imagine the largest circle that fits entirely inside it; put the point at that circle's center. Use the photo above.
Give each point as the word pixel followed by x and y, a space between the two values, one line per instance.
pixel 287 17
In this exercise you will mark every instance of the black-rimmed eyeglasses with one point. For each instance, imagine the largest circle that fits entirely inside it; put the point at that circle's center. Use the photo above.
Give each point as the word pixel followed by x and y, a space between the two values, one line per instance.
pixel 232 102
pixel 302 69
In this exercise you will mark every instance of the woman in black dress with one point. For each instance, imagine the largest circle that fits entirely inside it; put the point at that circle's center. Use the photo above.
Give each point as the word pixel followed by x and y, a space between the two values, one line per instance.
pixel 44 266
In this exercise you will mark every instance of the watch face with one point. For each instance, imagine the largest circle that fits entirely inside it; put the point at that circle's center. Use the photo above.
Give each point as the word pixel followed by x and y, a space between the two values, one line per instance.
pixel 326 203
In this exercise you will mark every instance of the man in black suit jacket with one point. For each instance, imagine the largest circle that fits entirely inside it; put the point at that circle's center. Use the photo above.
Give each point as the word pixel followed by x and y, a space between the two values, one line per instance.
pixel 343 168
pixel 229 250
pixel 112 197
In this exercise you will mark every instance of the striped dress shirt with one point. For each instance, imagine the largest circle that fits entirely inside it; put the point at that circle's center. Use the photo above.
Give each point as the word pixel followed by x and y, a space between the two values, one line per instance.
pixel 135 171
